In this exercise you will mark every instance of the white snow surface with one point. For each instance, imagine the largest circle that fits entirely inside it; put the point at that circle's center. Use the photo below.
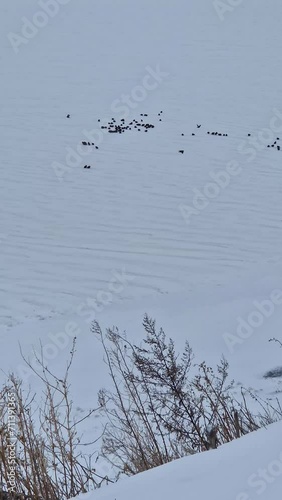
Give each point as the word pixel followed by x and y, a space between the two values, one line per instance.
pixel 67 239
pixel 245 469
pixel 63 239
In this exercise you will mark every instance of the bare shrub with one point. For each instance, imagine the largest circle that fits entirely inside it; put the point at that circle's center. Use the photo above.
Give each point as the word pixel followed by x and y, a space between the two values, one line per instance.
pixel 47 460
pixel 162 406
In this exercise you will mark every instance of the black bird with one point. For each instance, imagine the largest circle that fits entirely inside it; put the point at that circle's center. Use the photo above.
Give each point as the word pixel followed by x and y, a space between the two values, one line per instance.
pixel 249 135
pixel 96 147
pixel 208 132
pixel 277 139
pixel 68 116
pixel 89 144
pixel 84 143
pixel 99 120
pixel 181 151
pixel 182 135
pixel 278 148
pixel 198 126
pixel 269 146
pixel 193 134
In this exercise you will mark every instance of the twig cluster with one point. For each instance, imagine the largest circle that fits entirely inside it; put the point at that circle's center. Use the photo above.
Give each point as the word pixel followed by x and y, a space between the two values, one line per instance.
pixel 47 460
pixel 162 406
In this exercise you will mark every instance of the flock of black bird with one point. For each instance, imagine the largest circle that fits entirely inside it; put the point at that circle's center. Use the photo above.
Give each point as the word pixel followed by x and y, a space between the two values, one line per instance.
pixel 275 144
pixel 219 134
pixel 85 143
pixel 113 127
pixel 119 128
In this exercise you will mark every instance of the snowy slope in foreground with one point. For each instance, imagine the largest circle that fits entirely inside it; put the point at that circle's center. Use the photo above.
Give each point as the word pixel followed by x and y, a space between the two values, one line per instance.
pixel 248 468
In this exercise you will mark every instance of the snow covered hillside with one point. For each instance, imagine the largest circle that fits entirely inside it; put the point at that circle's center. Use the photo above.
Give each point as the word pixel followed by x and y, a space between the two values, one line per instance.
pixel 183 222
pixel 245 469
